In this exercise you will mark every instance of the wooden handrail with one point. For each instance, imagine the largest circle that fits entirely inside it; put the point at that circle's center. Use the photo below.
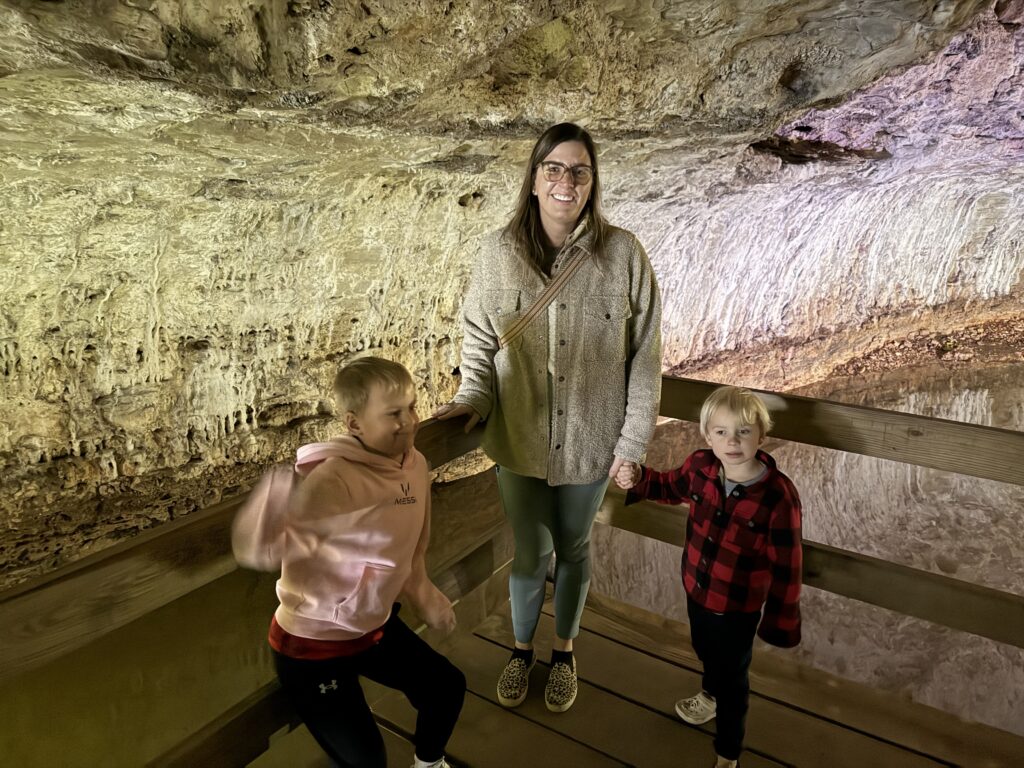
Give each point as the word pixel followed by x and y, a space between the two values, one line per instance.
pixel 63 610
pixel 46 617
pixel 967 449
pixel 950 602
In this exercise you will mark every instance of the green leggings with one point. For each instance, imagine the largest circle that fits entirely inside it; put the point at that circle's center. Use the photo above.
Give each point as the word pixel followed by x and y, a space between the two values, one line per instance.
pixel 548 519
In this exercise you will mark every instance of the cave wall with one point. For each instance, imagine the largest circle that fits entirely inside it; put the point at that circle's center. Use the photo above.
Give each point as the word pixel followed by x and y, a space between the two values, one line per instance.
pixel 207 211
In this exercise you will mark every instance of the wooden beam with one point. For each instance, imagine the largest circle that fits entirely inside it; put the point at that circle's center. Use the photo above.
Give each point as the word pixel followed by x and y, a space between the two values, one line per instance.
pixel 930 596
pixel 49 616
pixel 968 449
pixel 238 736
pixel 72 606
pixel 442 441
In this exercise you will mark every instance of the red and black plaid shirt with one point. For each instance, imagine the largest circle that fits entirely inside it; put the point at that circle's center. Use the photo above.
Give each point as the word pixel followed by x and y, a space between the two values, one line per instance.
pixel 741 552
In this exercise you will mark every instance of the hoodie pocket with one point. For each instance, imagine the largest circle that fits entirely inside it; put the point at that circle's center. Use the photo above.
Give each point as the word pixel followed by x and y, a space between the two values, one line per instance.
pixel 607 339
pixel 372 599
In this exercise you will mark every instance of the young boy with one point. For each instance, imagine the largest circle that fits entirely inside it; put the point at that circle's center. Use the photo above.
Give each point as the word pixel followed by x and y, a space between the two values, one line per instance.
pixel 350 540
pixel 742 552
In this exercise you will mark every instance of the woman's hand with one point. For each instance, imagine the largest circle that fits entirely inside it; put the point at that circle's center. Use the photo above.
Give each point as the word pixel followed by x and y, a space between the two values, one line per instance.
pixel 454 410
pixel 626 473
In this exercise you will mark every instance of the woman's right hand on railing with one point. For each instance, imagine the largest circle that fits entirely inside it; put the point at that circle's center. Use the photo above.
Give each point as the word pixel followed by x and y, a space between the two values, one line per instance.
pixel 454 410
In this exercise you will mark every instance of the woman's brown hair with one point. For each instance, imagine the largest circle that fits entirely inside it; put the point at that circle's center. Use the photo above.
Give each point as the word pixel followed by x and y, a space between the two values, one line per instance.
pixel 524 229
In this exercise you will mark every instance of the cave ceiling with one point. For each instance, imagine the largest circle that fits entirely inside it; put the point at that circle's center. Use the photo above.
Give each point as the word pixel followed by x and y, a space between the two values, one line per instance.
pixel 674 68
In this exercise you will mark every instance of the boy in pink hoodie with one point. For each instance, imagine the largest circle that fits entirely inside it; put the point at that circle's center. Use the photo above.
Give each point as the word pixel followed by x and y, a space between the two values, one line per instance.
pixel 350 541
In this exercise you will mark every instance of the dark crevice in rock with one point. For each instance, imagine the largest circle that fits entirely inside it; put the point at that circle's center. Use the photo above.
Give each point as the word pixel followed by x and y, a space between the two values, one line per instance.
pixel 461 163
pixel 798 151
pixel 1010 13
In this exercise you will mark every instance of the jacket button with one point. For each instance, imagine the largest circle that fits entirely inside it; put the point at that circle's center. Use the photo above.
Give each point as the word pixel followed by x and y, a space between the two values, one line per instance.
pixel 560 412
pixel 561 306
pixel 561 342
pixel 561 378
pixel 607 316
pixel 558 447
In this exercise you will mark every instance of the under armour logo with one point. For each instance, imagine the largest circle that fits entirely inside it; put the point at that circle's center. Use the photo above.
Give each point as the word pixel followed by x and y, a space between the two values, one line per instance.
pixel 324 688
pixel 406 487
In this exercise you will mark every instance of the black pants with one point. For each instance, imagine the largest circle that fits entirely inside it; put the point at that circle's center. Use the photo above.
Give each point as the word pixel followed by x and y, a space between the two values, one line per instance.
pixel 330 700
pixel 725 643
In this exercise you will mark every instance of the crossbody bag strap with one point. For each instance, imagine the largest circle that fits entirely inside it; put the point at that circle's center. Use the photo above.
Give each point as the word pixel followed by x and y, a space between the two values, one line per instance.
pixel 554 286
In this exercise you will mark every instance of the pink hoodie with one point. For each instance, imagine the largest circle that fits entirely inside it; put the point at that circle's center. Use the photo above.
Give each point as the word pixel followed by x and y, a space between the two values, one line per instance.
pixel 345 536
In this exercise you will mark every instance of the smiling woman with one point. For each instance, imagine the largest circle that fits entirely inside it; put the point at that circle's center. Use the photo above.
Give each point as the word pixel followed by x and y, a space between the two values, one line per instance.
pixel 562 361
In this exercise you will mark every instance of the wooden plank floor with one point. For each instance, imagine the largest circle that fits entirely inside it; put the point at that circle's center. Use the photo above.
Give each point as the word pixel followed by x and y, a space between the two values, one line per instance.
pixel 632 667
pixel 888 718
pixel 299 749
pixel 787 735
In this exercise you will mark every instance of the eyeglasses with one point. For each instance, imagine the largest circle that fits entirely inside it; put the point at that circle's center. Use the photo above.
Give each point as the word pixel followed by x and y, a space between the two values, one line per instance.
pixel 581 174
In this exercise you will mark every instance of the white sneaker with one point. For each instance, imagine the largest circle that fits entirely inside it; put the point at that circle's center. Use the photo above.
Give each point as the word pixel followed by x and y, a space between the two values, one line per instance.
pixel 696 710
pixel 442 763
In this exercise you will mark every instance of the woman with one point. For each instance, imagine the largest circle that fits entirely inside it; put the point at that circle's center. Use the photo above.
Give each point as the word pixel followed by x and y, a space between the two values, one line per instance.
pixel 570 398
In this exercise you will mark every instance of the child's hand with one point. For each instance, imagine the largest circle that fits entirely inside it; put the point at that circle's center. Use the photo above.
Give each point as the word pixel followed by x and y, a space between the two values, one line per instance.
pixel 435 609
pixel 628 475
pixel 440 614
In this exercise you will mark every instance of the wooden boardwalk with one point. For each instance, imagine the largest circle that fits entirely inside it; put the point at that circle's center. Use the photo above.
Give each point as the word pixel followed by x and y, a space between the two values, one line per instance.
pixel 632 666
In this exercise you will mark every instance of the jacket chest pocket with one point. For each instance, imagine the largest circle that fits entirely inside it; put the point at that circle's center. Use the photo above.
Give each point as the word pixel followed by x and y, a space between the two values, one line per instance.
pixel 703 509
pixel 503 309
pixel 606 337
pixel 749 533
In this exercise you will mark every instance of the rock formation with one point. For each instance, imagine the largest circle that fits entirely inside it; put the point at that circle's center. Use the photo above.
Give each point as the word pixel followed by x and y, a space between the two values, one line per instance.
pixel 207 207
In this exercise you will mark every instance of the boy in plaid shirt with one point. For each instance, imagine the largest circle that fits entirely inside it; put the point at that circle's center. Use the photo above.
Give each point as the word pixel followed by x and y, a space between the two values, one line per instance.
pixel 742 553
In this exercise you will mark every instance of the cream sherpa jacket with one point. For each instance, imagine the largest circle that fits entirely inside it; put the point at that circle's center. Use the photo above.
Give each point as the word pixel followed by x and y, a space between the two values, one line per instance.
pixel 582 384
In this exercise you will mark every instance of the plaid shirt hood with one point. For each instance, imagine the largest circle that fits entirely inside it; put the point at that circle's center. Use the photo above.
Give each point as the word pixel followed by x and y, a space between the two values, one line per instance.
pixel 742 552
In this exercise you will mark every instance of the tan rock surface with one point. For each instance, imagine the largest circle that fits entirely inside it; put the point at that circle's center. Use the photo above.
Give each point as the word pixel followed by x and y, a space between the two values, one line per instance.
pixel 206 211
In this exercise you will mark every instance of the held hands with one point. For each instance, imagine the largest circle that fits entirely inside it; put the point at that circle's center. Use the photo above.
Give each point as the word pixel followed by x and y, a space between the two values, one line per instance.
pixel 626 473
pixel 453 410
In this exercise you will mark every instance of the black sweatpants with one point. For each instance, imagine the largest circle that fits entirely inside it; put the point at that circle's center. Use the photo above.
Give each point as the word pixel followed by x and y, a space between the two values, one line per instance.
pixel 330 700
pixel 725 643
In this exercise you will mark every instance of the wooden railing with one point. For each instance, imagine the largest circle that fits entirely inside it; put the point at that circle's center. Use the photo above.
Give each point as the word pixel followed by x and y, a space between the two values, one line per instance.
pixel 47 618
pixel 967 449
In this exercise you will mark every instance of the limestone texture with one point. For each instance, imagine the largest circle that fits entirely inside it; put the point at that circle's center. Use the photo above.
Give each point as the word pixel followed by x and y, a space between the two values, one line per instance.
pixel 208 207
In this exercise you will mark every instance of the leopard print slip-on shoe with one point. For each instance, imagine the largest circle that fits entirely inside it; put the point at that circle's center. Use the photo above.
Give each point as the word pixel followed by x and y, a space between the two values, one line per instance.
pixel 560 692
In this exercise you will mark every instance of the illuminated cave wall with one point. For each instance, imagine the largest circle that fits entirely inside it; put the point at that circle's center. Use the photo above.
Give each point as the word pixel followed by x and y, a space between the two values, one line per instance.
pixel 206 212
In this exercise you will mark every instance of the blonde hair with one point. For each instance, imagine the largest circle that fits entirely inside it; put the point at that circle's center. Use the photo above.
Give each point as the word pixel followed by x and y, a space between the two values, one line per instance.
pixel 744 403
pixel 354 381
